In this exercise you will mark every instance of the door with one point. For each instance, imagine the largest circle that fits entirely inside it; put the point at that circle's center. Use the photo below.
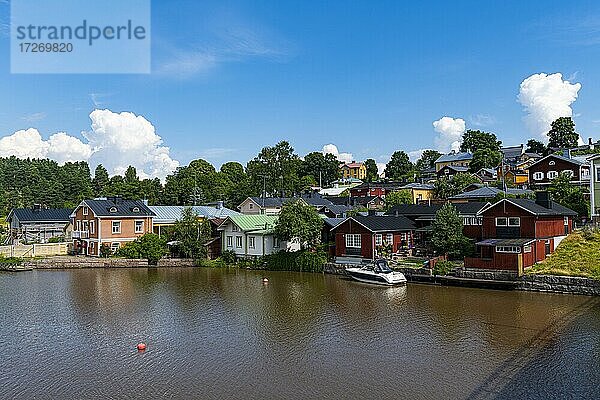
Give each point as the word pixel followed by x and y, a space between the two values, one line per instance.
pixel 547 248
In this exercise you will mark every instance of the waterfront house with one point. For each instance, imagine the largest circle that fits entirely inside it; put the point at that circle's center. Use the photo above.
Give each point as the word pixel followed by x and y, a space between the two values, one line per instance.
pixel 166 216
pixel 37 224
pixel 595 187
pixel 449 171
pixel 517 233
pixel 543 171
pixel 456 159
pixel 252 236
pixel 356 170
pixel 110 221
pixel 367 237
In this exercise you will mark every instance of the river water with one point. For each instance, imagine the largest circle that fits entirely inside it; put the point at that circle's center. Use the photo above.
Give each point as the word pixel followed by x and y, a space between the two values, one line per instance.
pixel 218 333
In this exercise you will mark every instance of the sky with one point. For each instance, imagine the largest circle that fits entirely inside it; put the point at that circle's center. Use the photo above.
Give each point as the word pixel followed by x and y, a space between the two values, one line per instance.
pixel 360 79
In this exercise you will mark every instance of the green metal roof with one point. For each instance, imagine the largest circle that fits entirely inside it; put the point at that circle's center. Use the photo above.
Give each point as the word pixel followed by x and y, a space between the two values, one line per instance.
pixel 257 222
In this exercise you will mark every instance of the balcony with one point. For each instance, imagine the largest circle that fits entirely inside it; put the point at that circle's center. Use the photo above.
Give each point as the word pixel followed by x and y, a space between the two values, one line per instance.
pixel 81 234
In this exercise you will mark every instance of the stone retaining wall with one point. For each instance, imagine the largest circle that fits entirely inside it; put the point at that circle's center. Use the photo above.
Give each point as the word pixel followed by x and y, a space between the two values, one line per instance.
pixel 559 284
pixel 488 274
pixel 90 262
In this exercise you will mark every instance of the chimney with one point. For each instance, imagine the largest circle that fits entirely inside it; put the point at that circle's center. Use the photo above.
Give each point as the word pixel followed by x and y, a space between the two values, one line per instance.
pixel 543 199
pixel 145 201
pixel 590 141
pixel 37 207
pixel 567 153
pixel 372 213
pixel 219 204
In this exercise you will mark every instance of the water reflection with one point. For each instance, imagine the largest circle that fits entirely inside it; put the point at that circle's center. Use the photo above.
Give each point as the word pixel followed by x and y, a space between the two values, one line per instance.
pixel 219 333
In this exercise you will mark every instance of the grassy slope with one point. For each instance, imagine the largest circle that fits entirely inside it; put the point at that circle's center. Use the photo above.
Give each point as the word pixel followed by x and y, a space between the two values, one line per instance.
pixel 575 256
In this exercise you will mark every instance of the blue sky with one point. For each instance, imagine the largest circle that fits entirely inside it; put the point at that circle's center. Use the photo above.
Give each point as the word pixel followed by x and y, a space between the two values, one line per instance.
pixel 370 77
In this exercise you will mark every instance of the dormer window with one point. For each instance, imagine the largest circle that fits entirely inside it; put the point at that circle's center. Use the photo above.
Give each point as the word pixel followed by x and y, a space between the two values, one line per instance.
pixel 85 210
pixel 136 209
pixel 551 163
pixel 113 209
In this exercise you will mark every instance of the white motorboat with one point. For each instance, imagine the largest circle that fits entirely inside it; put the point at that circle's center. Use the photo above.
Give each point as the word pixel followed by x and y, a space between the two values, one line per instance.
pixel 378 272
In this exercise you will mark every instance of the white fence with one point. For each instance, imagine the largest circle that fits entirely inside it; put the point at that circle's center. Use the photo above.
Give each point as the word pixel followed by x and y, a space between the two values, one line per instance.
pixel 35 250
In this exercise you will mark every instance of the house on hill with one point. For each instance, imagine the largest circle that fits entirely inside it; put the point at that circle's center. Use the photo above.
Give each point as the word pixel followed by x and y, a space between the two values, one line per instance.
pixel 110 221
pixel 453 159
pixel 356 170
pixel 517 233
pixel 37 224
pixel 543 171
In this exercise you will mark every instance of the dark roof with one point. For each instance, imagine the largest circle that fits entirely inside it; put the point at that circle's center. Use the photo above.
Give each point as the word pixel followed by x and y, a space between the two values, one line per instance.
pixel 506 242
pixel 313 200
pixel 124 208
pixel 560 157
pixel 316 199
pixel 488 192
pixel 454 157
pixel 42 215
pixel 416 210
pixel 338 208
pixel 378 223
pixel 339 200
pixel 332 222
pixel 382 185
pixel 352 201
pixel 537 209
pixel 512 151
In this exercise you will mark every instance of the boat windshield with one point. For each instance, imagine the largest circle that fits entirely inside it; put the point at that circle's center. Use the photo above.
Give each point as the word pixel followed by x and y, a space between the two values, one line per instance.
pixel 381 266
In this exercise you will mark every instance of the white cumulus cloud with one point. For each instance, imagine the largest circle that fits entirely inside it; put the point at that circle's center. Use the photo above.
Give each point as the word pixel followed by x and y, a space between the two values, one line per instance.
pixel 332 149
pixel 450 133
pixel 116 140
pixel 545 98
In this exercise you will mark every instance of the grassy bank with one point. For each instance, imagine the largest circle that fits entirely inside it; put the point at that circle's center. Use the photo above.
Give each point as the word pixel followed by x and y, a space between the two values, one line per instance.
pixel 577 255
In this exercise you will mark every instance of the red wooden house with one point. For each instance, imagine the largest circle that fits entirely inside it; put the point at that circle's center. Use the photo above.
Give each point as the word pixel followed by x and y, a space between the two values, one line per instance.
pixel 364 236
pixel 517 233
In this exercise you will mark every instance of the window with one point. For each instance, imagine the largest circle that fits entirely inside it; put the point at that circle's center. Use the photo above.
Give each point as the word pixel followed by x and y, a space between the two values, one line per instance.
pixel 116 227
pixel 508 249
pixel 250 206
pixel 389 238
pixel 229 241
pixel 501 221
pixel 552 174
pixel 353 241
pixel 252 242
pixel 113 209
pixel 78 225
pixel 276 243
pixel 234 228
pixel 91 226
pixel 139 226
pixel 85 210
pixel 585 173
pixel 514 221
pixel 403 236
pixel 114 246
pixel 551 163
pixel 527 249
pixel 538 176
pixel 566 221
pixel 238 242
pixel 378 240
pixel 136 209
pixel 568 172
pixel 86 226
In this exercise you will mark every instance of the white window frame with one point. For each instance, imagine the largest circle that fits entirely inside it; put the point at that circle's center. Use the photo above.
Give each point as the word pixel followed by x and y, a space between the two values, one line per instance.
pixel 234 228
pixel 389 238
pixel 250 206
pixel 85 210
pixel 498 219
pixel 353 241
pixel 597 174
pixel 508 249
pixel 569 172
pixel 78 224
pixel 511 223
pixel 141 230
pixel 552 174
pixel 566 221
pixel 527 249
pixel 114 246
pixel 538 176
pixel 115 224
pixel 552 163
pixel 276 242
pixel 378 239
pixel 252 242
pixel 229 241
pixel 92 226
pixel 238 242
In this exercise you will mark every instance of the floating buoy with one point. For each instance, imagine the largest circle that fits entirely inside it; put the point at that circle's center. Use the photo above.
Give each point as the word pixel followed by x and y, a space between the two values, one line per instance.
pixel 141 346
pixel 265 280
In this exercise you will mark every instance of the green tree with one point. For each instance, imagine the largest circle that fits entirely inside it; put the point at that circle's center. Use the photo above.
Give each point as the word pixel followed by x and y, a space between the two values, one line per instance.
pixel 562 133
pixel 324 168
pixel 535 146
pixel 131 184
pixel 448 187
pixel 277 168
pixel 100 181
pixel 300 221
pixel 476 140
pixel 569 195
pixel 190 235
pixel 398 197
pixel 399 166
pixel 149 246
pixel 485 158
pixel 427 159
pixel 447 233
pixel 372 170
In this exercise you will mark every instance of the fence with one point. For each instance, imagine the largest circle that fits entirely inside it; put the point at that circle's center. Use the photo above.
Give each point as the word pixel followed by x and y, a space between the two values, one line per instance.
pixel 34 250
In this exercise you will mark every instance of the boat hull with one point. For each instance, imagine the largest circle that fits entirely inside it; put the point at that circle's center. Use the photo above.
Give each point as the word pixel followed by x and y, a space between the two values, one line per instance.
pixel 390 279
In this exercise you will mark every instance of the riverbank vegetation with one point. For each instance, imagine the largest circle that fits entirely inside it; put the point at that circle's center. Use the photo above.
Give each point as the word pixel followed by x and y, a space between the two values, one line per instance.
pixel 577 255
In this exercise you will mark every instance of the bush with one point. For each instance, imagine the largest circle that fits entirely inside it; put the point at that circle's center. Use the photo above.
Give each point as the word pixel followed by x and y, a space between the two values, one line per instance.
pixel 228 257
pixel 443 268
pixel 149 246
pixel 105 251
pixel 10 260
pixel 56 239
pixel 296 261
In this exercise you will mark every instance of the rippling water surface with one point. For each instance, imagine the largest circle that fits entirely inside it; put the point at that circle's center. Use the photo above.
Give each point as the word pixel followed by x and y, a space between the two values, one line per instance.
pixel 215 333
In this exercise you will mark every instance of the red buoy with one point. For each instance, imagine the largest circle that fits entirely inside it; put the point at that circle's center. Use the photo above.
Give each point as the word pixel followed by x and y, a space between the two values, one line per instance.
pixel 141 346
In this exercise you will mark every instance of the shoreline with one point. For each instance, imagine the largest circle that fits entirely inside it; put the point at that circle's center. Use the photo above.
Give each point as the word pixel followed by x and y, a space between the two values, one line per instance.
pixel 495 280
